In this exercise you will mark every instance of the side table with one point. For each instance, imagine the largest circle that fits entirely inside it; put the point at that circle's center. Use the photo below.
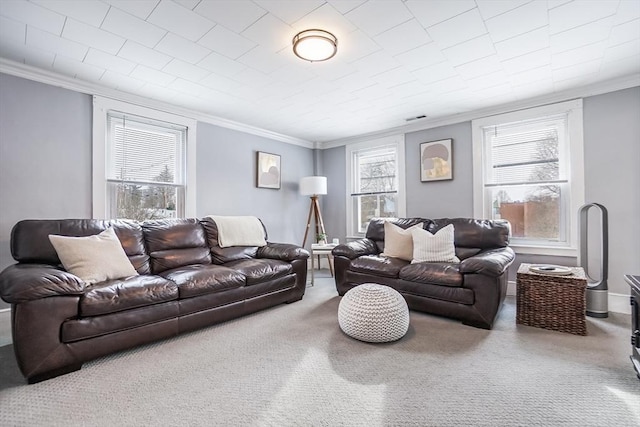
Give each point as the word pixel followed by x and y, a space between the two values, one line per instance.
pixel 552 302
pixel 634 282
pixel 318 249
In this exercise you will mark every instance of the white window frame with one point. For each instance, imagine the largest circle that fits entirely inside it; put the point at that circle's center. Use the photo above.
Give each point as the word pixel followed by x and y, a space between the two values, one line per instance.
pixel 351 149
pixel 481 207
pixel 101 106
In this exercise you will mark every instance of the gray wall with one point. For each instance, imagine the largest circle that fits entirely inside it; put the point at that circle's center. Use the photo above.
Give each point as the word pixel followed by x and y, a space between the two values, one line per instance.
pixel 226 181
pixel 45 155
pixel 333 205
pixel 612 177
pixel 440 199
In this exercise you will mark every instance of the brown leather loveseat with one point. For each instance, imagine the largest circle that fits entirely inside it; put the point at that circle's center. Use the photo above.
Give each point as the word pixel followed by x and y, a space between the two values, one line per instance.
pixel 471 290
pixel 186 281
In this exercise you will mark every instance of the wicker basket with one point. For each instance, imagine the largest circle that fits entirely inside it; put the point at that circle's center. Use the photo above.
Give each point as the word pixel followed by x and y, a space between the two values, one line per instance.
pixel 552 302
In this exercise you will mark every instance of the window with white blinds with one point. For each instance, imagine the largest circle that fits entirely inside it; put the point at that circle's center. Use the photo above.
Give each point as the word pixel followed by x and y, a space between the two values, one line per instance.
pixel 528 170
pixel 145 167
pixel 376 183
pixel 527 152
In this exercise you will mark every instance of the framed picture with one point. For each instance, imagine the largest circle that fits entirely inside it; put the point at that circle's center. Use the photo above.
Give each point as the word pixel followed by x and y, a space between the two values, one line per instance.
pixel 268 170
pixel 436 160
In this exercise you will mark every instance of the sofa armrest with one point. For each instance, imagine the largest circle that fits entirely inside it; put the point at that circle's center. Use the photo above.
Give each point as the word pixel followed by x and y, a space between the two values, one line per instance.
pixel 493 262
pixel 27 282
pixel 282 251
pixel 355 249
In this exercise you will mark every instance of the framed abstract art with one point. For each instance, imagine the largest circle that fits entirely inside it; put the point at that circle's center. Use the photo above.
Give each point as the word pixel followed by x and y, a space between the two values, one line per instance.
pixel 268 174
pixel 436 160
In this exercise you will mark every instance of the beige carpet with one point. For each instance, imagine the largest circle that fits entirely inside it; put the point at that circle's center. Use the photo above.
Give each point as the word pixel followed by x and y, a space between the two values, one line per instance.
pixel 292 366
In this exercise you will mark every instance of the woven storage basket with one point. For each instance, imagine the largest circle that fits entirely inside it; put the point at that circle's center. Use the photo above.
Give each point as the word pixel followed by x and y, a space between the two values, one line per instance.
pixel 552 302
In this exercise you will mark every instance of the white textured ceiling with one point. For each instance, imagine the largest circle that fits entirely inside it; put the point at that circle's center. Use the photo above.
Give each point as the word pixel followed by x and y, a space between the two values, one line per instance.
pixel 396 59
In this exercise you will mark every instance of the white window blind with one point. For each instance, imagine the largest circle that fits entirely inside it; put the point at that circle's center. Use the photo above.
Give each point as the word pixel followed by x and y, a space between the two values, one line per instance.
pixel 526 152
pixel 143 150
pixel 145 167
pixel 375 171
pixel 376 183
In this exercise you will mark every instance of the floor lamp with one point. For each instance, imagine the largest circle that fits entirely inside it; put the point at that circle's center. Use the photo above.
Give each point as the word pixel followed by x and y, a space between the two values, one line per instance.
pixel 314 186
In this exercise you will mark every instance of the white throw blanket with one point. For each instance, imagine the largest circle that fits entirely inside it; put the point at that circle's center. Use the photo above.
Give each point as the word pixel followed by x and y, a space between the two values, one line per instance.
pixel 239 231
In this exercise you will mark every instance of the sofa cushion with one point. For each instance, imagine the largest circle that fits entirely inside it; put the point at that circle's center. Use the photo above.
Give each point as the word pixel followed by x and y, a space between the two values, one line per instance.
pixel 398 242
pixel 194 280
pixel 439 273
pixel 378 265
pixel 223 255
pixel 30 242
pixel 239 231
pixel 117 295
pixel 93 258
pixel 174 243
pixel 261 270
pixel 475 233
pixel 438 247
pixel 174 258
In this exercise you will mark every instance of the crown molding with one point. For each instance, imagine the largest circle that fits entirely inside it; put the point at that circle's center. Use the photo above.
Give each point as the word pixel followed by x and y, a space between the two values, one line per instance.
pixel 625 82
pixel 54 79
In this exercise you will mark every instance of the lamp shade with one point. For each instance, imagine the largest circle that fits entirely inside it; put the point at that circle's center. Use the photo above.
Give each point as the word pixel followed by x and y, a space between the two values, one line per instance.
pixel 313 185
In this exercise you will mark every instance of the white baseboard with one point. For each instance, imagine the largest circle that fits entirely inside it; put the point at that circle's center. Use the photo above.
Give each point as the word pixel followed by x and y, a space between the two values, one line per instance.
pixel 618 303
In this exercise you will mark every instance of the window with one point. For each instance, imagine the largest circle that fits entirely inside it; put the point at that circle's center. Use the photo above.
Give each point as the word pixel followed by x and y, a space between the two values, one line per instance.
pixel 142 167
pixel 145 168
pixel 376 171
pixel 528 170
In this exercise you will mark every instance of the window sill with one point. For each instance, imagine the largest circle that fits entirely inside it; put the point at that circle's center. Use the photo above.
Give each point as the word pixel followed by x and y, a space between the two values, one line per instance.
pixel 544 250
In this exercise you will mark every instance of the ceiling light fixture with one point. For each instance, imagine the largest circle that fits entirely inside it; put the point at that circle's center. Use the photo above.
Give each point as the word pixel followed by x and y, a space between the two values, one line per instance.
pixel 315 45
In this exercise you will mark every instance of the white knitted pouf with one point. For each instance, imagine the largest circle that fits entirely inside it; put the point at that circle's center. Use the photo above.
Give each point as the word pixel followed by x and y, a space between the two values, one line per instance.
pixel 373 313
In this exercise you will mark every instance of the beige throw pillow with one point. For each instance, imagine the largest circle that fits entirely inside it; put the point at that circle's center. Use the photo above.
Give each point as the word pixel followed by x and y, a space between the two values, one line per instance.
pixel 93 258
pixel 398 242
pixel 437 247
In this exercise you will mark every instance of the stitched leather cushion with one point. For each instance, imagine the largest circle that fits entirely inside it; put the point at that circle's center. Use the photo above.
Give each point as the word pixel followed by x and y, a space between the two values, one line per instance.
pixel 223 255
pixel 174 243
pixel 194 280
pixel 30 239
pixel 439 273
pixel 261 270
pixel 117 295
pixel 380 266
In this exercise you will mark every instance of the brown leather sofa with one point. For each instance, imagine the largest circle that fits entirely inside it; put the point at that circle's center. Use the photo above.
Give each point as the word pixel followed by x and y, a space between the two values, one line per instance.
pixel 471 290
pixel 186 281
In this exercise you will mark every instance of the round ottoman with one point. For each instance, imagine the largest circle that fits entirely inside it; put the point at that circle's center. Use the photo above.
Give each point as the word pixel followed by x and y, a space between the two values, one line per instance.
pixel 373 313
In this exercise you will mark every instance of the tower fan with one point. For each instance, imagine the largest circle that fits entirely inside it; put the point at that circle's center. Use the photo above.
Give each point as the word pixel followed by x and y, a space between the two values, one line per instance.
pixel 597 288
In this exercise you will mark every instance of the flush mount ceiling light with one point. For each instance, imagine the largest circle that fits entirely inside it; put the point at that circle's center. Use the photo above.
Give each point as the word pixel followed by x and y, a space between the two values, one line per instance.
pixel 315 45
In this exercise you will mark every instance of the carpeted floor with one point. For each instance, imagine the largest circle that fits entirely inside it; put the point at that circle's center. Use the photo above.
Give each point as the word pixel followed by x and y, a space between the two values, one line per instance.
pixel 292 366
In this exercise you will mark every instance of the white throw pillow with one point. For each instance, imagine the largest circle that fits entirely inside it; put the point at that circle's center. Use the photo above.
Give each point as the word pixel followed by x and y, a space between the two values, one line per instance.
pixel 437 247
pixel 398 242
pixel 93 258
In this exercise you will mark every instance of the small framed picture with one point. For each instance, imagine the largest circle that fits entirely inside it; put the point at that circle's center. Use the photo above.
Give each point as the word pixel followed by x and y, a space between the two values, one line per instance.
pixel 268 175
pixel 436 160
